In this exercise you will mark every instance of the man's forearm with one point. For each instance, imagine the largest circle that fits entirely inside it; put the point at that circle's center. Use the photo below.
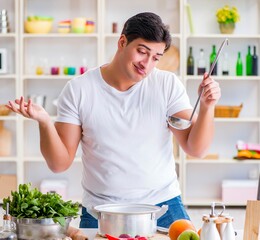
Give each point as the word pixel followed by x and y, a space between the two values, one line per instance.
pixel 202 133
pixel 52 148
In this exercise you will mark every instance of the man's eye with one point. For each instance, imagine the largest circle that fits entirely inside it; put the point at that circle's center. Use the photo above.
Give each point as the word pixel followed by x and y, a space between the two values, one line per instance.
pixel 142 52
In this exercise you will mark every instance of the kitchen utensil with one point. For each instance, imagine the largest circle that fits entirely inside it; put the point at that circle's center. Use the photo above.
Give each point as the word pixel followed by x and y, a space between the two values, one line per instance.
pixel 31 229
pixel 181 124
pixel 132 219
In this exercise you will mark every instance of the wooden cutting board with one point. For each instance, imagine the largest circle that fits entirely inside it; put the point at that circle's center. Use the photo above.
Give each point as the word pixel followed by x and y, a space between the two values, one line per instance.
pixel 170 60
pixel 157 236
pixel 252 221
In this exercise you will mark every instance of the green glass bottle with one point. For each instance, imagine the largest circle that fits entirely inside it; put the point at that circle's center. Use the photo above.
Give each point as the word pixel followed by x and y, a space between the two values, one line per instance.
pixel 212 58
pixel 239 66
pixel 190 63
pixel 249 62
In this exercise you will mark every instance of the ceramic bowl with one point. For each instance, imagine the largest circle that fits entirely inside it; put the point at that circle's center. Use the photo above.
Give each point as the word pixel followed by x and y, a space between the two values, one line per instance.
pixel 39 26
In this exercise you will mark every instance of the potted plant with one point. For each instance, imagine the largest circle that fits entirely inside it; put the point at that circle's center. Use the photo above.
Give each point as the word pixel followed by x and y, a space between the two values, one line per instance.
pixel 227 17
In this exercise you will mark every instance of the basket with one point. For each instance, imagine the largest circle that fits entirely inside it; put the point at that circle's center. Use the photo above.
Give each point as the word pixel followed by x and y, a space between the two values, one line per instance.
pixel 4 111
pixel 228 111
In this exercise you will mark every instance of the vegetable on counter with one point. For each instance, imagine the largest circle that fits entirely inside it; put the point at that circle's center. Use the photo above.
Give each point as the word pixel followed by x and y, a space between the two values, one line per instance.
pixel 109 237
pixel 31 203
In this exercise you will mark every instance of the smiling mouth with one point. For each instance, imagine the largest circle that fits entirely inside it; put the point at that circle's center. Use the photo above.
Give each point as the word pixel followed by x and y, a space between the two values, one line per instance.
pixel 140 70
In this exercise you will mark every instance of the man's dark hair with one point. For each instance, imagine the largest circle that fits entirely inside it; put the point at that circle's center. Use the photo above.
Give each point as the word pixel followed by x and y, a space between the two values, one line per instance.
pixel 147 26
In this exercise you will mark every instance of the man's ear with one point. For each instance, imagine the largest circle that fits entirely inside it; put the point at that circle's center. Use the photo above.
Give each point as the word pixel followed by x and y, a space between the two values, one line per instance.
pixel 122 42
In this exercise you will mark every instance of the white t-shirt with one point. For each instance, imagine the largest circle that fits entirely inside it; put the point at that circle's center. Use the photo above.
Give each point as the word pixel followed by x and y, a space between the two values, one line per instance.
pixel 127 149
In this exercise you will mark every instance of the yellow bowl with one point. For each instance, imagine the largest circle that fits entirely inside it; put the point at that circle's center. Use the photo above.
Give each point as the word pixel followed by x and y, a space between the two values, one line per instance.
pixel 39 26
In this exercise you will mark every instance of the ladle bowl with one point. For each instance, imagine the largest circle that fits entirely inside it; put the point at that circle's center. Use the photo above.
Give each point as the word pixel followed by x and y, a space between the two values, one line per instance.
pixel 182 124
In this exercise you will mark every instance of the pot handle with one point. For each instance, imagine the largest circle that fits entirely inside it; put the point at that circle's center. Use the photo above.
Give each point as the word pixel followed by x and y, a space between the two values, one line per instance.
pixel 93 212
pixel 162 211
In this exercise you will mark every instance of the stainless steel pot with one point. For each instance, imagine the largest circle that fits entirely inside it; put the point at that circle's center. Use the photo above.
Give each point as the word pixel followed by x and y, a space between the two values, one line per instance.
pixel 132 219
pixel 31 229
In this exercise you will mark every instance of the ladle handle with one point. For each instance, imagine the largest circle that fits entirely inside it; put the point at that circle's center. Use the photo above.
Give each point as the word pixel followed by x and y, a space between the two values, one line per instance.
pixel 210 71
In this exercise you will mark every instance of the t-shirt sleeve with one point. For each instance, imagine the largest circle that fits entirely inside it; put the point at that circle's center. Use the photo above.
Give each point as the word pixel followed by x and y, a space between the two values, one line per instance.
pixel 178 99
pixel 67 107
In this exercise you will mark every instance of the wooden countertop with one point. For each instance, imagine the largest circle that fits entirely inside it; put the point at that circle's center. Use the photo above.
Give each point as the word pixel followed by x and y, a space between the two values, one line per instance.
pixel 157 236
pixel 92 235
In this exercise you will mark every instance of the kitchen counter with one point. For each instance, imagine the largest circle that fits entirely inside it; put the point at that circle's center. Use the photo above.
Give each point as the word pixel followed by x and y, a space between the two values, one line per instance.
pixel 92 235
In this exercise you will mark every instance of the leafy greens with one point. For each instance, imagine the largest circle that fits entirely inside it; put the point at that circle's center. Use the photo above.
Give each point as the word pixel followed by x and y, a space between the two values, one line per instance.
pixel 31 203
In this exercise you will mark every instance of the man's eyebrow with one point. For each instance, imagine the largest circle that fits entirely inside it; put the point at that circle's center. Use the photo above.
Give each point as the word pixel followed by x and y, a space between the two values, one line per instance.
pixel 143 45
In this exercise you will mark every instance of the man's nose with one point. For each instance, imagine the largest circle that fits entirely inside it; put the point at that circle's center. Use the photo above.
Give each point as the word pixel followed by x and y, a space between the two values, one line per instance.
pixel 146 61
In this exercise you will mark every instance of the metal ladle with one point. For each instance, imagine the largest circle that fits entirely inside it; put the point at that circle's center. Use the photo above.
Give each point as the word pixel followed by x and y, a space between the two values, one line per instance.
pixel 181 124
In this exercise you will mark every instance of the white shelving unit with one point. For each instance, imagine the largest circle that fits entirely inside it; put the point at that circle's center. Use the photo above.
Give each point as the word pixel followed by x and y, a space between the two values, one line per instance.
pixel 10 86
pixel 203 178
pixel 200 179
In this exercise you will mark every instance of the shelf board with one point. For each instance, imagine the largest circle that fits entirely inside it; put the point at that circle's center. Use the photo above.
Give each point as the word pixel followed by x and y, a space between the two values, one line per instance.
pixel 41 159
pixel 207 202
pixel 8 159
pixel 200 201
pixel 60 35
pixel 8 76
pixel 223 78
pixel 221 36
pixel 8 35
pixel 49 77
pixel 239 119
pixel 221 161
pixel 8 118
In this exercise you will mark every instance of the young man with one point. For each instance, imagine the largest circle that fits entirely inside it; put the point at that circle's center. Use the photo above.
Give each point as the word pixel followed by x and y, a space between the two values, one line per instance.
pixel 118 112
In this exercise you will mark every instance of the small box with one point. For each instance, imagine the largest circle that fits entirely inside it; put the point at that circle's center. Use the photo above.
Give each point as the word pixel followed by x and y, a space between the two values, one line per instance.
pixel 8 183
pixel 57 186
pixel 239 191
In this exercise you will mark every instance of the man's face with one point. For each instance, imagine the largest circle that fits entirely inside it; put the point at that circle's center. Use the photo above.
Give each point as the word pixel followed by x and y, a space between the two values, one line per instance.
pixel 139 57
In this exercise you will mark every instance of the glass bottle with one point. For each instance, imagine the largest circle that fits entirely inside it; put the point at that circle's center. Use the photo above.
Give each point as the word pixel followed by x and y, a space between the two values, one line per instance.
pixel 239 65
pixel 8 230
pixel 249 62
pixel 201 63
pixel 212 58
pixel 225 65
pixel 190 63
pixel 255 63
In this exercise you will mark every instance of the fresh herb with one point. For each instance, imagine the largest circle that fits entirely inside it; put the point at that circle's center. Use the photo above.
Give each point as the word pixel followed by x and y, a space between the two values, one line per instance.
pixel 31 203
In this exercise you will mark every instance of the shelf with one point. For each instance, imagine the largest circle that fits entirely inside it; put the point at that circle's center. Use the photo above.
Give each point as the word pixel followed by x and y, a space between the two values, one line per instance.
pixel 7 118
pixel 222 36
pixel 224 78
pixel 238 120
pixel 221 161
pixel 8 76
pixel 60 35
pixel 207 202
pixel 201 201
pixel 8 159
pixel 49 77
pixel 8 35
pixel 42 160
